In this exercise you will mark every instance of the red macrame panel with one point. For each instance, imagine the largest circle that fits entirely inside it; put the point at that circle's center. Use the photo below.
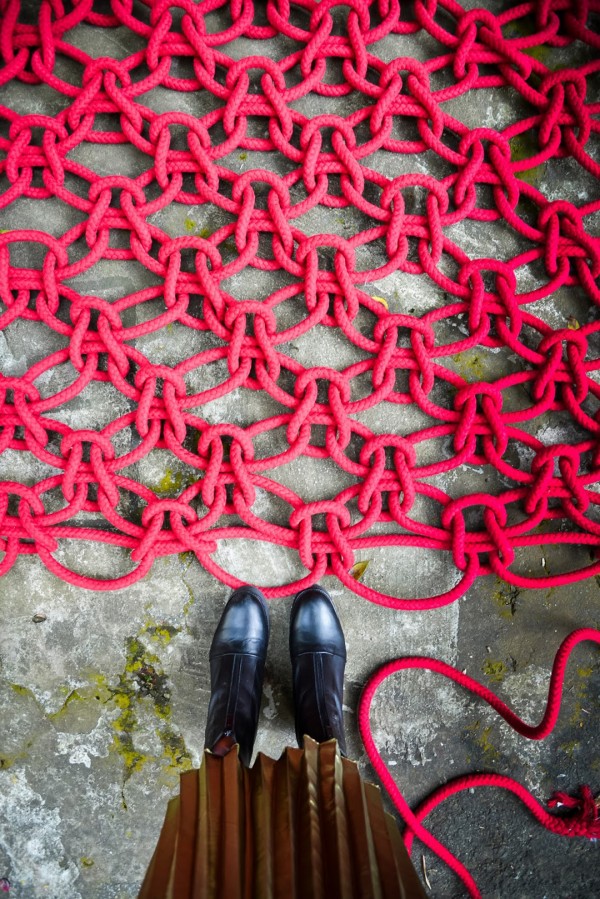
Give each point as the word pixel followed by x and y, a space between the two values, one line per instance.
pixel 383 145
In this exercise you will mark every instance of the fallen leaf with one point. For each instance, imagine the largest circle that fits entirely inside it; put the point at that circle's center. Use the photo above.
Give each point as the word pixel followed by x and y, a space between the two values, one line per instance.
pixel 573 324
pixel 381 300
pixel 357 571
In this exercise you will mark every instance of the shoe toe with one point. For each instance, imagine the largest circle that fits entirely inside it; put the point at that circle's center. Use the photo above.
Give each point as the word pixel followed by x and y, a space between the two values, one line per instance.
pixel 244 625
pixel 314 624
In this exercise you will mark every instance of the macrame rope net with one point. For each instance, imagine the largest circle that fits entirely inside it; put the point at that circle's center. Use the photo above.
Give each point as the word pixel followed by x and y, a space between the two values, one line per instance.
pixel 330 119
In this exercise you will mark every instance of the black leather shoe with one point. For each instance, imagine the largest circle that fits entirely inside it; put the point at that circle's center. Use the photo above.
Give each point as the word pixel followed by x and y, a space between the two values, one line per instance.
pixel 318 652
pixel 237 664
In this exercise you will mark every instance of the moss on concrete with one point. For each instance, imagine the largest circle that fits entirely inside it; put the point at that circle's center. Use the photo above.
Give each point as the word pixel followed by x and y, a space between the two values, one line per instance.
pixel 494 670
pixel 524 146
pixel 505 596
pixel 482 738
pixel 173 482
pixel 192 227
pixel 470 366
pixel 144 683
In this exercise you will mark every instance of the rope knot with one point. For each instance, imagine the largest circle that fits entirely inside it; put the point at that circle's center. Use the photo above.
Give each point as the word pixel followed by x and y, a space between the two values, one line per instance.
pixel 583 811
pixel 563 355
pixel 332 541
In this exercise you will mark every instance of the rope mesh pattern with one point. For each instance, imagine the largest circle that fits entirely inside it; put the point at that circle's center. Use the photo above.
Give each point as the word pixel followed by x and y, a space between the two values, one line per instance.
pixel 331 119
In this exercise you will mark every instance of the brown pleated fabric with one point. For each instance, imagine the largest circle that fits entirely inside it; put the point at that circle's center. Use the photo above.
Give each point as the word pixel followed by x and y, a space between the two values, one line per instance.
pixel 303 827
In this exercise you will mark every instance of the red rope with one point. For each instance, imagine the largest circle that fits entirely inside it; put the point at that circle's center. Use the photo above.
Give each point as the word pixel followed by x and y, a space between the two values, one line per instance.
pixel 193 161
pixel 585 822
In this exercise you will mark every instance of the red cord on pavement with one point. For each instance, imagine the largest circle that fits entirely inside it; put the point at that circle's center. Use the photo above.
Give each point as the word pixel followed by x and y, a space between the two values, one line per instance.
pixel 584 821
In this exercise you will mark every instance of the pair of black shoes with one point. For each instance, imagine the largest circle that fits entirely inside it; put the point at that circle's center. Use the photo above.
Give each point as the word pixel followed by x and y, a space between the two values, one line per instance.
pixel 237 664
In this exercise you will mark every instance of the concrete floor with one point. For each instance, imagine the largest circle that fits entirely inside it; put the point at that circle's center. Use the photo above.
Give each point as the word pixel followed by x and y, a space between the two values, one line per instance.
pixel 104 700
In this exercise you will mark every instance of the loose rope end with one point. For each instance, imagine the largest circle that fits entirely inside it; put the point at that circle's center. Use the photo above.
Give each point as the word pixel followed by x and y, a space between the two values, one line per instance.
pixel 582 810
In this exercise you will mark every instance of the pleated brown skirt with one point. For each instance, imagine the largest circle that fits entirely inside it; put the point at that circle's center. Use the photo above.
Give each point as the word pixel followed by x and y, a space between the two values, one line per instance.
pixel 303 827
